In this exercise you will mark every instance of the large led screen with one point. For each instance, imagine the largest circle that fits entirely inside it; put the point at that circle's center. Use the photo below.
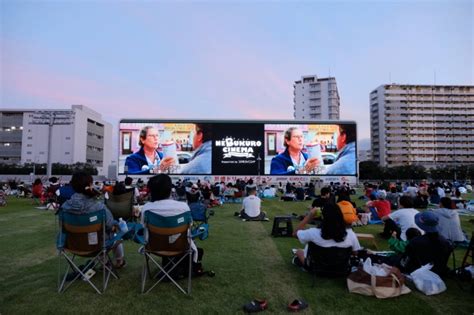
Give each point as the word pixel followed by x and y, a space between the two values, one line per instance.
pixel 237 148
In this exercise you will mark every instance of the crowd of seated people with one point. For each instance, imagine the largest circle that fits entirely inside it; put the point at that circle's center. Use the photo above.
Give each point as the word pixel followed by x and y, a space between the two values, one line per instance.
pixel 417 237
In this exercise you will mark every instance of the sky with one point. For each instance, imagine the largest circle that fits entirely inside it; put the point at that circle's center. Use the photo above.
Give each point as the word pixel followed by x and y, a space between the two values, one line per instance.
pixel 224 59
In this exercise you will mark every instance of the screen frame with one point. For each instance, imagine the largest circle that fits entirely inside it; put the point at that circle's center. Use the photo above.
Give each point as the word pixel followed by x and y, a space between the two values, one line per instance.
pixel 145 121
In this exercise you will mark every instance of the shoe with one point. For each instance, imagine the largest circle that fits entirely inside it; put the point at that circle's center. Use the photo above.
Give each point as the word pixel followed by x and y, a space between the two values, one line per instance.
pixel 296 261
pixel 297 305
pixel 293 251
pixel 255 306
pixel 236 214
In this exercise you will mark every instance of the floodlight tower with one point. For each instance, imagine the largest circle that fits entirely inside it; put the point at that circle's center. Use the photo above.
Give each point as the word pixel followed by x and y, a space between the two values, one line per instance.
pixel 52 118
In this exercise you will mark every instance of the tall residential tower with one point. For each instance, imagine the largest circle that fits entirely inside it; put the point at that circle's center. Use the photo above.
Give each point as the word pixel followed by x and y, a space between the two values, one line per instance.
pixel 316 98
pixel 429 125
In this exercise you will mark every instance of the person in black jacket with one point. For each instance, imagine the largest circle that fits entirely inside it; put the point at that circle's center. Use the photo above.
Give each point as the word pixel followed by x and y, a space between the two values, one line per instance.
pixel 428 248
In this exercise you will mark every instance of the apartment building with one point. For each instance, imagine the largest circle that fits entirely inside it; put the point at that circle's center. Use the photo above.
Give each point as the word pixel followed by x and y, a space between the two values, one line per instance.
pixel 316 98
pixel 78 135
pixel 429 125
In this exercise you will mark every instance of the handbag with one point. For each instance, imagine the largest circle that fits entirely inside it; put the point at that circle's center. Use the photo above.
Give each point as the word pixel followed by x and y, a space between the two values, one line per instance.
pixel 382 287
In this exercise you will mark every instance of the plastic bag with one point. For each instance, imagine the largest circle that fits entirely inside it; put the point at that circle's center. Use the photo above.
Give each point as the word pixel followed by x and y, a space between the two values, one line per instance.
pixel 427 281
pixel 376 269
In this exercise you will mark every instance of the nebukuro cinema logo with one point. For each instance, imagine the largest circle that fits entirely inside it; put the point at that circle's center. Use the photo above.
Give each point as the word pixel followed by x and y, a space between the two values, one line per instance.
pixel 240 148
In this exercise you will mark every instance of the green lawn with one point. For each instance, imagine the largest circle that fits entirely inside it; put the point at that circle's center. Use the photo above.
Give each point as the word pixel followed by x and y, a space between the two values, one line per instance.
pixel 248 263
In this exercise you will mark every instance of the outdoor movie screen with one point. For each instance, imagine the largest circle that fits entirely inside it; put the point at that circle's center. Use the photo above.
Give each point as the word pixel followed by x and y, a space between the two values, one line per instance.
pixel 222 147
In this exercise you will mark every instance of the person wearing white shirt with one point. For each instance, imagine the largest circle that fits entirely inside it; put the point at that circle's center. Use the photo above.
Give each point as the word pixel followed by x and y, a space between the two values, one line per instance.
pixel 251 206
pixel 161 203
pixel 332 233
pixel 402 219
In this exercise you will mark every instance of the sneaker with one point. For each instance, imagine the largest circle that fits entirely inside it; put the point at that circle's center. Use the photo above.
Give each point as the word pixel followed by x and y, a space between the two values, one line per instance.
pixel 296 261
pixel 293 251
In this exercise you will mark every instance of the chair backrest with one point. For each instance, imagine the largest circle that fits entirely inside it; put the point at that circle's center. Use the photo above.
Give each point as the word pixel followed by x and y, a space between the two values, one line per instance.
pixel 198 211
pixel 83 234
pixel 121 206
pixel 167 236
pixel 328 261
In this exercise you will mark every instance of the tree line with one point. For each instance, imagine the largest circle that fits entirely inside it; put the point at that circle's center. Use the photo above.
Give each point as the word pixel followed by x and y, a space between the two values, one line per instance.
pixel 371 170
pixel 40 169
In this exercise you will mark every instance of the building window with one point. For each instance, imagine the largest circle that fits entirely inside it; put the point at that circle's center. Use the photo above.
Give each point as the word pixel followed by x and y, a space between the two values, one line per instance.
pixel 67 153
pixel 68 138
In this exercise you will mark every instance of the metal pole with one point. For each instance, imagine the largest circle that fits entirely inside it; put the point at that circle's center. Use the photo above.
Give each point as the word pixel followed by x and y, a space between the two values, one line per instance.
pixel 50 144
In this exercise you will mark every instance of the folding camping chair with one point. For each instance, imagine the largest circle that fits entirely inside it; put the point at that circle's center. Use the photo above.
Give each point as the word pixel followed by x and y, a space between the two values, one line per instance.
pixel 170 239
pixel 83 235
pixel 121 206
pixel 328 261
pixel 200 226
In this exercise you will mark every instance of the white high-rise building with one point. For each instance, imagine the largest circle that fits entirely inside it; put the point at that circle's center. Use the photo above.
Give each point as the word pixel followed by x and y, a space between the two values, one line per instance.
pixel 316 98
pixel 429 125
pixel 84 138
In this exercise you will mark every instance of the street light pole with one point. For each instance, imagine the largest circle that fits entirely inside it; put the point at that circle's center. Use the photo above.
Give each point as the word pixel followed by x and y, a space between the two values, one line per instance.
pixel 52 118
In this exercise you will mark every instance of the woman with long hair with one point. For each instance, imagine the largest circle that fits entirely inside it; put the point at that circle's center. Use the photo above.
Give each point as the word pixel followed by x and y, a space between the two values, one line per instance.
pixel 85 201
pixel 333 232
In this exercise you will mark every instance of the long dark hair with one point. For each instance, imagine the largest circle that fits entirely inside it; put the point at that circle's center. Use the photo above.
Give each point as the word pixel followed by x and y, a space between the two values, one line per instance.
pixel 333 226
pixel 82 183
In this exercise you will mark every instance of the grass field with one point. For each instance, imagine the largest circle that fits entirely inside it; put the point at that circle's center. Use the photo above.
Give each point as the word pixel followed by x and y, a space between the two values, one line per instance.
pixel 248 263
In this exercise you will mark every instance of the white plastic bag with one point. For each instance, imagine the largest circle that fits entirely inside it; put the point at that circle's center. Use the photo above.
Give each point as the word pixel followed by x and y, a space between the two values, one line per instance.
pixel 427 281
pixel 376 269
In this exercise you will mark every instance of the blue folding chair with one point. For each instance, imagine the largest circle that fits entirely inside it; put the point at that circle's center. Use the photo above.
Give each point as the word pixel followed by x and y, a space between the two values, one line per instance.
pixel 83 235
pixel 170 239
pixel 200 226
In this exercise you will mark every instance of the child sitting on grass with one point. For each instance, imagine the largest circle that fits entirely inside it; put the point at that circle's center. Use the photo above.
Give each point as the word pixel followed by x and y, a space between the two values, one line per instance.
pixel 398 245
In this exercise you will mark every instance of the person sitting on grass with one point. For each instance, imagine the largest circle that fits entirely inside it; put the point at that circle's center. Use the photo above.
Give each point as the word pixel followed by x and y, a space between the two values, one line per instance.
pixel 251 206
pixel 400 220
pixel 348 210
pixel 332 233
pixel 84 201
pixel 398 245
pixel 428 248
pixel 449 222
pixel 381 205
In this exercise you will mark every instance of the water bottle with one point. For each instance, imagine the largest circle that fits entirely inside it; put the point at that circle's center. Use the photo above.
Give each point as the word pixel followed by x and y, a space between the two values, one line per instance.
pixel 123 226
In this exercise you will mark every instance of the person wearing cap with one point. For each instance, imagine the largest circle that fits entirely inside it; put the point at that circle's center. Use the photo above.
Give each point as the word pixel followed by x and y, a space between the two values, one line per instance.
pixel 430 248
pixel 147 159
